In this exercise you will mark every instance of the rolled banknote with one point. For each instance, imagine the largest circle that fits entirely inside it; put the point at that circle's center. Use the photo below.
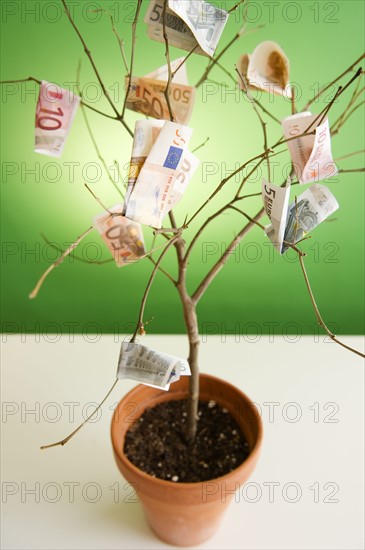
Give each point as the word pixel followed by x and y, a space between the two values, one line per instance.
pixel 164 176
pixel 189 24
pixel 123 237
pixel 140 363
pixel 266 69
pixel 146 94
pixel 276 200
pixel 56 110
pixel 310 209
pixel 145 135
pixel 311 155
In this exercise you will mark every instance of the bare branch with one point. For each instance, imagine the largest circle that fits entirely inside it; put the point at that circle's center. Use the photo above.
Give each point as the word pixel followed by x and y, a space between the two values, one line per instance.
pixel 92 137
pixel 350 155
pixel 252 220
pixel 98 200
pixel 305 108
pixel 116 33
pixel 68 251
pixel 131 66
pixel 263 124
pixel 214 60
pixel 343 121
pixel 236 6
pixel 31 78
pixel 201 145
pixel 66 439
pixel 149 284
pixel 318 315
pixel 97 74
pixel 74 256
pixel 167 55
pixel 222 260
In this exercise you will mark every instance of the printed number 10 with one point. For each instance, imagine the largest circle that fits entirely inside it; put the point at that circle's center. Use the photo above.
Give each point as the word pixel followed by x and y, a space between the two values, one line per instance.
pixel 41 119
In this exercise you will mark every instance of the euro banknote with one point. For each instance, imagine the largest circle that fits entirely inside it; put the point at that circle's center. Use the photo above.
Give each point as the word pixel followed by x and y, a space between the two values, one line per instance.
pixel 189 24
pixel 56 110
pixel 311 155
pixel 146 94
pixel 267 69
pixel 147 366
pixel 123 237
pixel 163 177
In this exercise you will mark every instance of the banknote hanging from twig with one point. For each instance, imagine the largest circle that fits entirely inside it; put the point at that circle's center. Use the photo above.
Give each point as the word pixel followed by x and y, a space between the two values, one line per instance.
pixel 266 69
pixel 146 94
pixel 291 224
pixel 56 110
pixel 158 182
pixel 190 24
pixel 150 367
pixel 123 237
pixel 311 155
pixel 145 135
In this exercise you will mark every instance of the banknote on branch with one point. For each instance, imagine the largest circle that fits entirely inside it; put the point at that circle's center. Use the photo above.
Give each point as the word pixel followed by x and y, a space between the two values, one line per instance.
pixel 145 135
pixel 146 94
pixel 310 209
pixel 311 155
pixel 190 24
pixel 290 225
pixel 164 176
pixel 276 200
pixel 267 69
pixel 56 110
pixel 123 237
pixel 150 367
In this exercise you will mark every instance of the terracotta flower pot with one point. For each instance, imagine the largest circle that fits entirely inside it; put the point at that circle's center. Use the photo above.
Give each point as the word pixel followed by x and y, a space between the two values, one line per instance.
pixel 186 514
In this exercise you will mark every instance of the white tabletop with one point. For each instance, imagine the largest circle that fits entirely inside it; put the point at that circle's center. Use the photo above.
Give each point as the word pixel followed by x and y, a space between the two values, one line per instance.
pixel 306 492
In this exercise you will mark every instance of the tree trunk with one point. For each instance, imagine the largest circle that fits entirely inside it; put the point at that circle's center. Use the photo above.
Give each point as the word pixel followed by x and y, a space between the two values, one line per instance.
pixel 191 322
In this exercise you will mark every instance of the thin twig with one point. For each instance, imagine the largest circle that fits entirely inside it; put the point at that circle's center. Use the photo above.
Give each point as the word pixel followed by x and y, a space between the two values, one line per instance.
pixel 98 200
pixel 133 46
pixel 166 273
pixel 236 6
pixel 149 284
pixel 78 258
pixel 201 145
pixel 343 171
pixel 92 137
pixel 222 260
pixel 305 108
pixel 32 79
pixel 252 220
pixel 167 55
pixel 349 155
pixel 88 53
pixel 263 124
pixel 97 74
pixel 335 131
pixel 66 439
pixel 183 62
pixel 68 251
pixel 117 35
pixel 356 93
pixel 317 312
pixel 215 60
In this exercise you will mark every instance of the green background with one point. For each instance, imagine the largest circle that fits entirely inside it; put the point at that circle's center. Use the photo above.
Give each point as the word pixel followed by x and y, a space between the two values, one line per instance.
pixel 257 291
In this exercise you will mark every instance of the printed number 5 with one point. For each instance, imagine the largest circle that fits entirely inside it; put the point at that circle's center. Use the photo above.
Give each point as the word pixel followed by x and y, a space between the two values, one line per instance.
pixel 270 192
pixel 156 12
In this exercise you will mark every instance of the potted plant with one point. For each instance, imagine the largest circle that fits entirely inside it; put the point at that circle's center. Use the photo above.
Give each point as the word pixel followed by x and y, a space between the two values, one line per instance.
pixel 207 415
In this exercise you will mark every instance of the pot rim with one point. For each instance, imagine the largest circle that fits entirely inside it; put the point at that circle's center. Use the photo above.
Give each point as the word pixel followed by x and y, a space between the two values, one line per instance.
pixel 182 485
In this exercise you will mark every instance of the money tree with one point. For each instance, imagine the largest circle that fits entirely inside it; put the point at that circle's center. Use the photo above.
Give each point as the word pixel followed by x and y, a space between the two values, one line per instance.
pixel 162 166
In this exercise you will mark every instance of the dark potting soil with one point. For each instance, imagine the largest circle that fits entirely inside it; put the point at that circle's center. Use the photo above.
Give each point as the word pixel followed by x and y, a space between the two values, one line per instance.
pixel 155 443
